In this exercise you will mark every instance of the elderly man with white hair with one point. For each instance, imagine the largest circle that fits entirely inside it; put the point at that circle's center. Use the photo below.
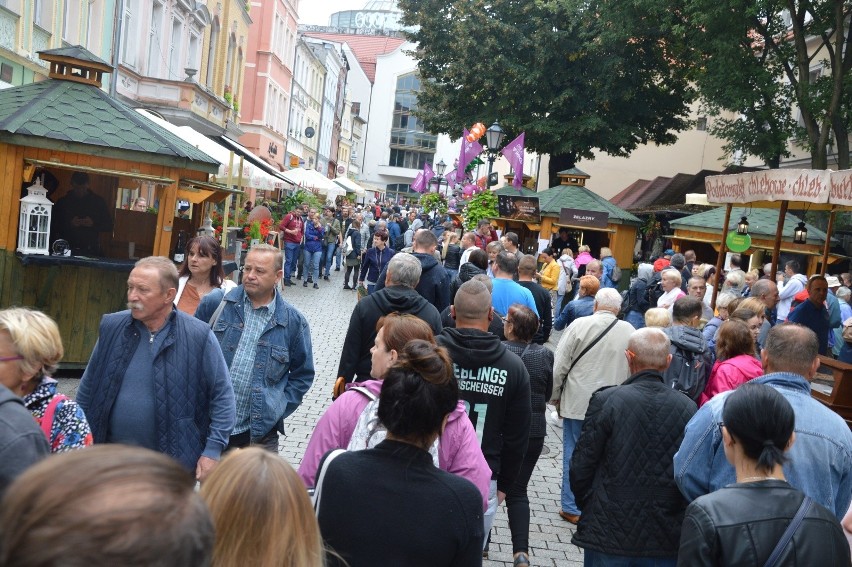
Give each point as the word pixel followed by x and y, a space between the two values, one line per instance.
pixel 590 356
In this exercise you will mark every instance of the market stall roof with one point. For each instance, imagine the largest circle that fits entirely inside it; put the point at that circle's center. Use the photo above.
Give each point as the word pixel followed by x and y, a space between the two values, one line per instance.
pixel 514 192
pixel 553 200
pixel 60 114
pixel 761 222
pixel 260 163
pixel 350 186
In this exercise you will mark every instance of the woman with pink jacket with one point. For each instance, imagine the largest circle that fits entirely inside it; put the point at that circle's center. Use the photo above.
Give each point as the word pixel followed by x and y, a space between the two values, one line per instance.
pixel 735 363
pixel 458 449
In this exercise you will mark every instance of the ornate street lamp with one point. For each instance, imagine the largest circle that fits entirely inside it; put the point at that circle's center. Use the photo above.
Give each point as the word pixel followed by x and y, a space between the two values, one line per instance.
pixel 440 168
pixel 494 138
pixel 742 227
pixel 800 235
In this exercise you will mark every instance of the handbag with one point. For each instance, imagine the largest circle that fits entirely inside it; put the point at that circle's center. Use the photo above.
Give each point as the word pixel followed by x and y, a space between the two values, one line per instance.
pixel 318 489
pixel 583 352
pixel 348 247
pixel 847 330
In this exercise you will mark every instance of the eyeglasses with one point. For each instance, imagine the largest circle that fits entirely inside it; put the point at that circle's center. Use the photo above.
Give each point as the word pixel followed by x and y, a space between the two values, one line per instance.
pixel 10 358
pixel 720 424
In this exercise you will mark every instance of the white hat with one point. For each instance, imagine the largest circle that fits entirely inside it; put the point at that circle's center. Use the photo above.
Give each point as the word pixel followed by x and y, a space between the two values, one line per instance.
pixel 832 281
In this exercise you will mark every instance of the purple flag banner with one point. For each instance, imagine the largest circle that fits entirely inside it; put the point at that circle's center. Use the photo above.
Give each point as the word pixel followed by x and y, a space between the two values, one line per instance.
pixel 514 153
pixel 418 185
pixel 451 178
pixel 469 150
pixel 428 174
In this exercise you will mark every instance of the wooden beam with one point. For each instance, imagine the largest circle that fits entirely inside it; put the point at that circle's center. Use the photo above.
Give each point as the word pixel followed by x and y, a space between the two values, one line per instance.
pixel 723 248
pixel 776 251
pixel 827 246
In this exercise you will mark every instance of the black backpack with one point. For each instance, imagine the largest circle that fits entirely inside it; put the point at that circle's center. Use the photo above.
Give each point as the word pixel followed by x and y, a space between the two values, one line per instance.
pixel 398 243
pixel 654 292
pixel 687 373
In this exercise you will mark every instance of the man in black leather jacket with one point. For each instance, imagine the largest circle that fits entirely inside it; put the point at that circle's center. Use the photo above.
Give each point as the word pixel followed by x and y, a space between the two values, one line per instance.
pixel 621 469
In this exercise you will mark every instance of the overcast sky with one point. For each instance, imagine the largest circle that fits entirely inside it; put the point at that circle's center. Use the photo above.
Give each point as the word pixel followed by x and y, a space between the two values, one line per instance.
pixel 316 12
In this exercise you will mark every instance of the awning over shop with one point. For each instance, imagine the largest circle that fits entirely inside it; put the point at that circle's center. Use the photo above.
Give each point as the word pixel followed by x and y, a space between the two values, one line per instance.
pixel 259 163
pixel 312 179
pixel 252 175
pixel 350 186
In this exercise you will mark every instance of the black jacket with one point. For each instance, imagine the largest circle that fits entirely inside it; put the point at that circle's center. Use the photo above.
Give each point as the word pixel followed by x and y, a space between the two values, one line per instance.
pixel 453 257
pixel 496 386
pixel 466 273
pixel 742 523
pixel 434 284
pixel 355 357
pixel 545 311
pixel 622 471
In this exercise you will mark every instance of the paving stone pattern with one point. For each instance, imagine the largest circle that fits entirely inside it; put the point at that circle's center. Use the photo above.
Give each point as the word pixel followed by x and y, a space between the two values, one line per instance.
pixel 327 310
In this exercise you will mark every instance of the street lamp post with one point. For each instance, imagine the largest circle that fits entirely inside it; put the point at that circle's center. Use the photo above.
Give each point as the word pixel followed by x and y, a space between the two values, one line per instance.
pixel 440 168
pixel 494 138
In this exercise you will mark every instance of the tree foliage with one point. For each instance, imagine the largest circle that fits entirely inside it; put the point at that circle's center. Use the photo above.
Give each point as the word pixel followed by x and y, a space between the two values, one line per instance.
pixel 575 75
pixel 761 59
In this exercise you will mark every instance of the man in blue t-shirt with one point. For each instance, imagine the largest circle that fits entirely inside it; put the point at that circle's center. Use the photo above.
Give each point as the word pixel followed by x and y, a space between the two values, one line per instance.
pixel 506 291
pixel 813 313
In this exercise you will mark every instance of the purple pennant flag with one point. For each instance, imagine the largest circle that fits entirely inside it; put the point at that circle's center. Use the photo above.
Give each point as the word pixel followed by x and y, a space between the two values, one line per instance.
pixel 514 153
pixel 451 178
pixel 428 174
pixel 469 150
pixel 418 185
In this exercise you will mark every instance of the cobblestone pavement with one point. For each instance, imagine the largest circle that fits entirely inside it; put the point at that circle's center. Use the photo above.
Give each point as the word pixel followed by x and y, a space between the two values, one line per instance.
pixel 327 310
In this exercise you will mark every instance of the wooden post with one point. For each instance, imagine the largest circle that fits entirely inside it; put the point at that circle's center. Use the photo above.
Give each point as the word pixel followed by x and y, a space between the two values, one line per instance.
pixel 827 245
pixel 723 249
pixel 776 252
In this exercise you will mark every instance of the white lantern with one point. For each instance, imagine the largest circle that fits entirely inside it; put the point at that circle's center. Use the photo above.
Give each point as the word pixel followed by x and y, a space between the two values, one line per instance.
pixel 34 223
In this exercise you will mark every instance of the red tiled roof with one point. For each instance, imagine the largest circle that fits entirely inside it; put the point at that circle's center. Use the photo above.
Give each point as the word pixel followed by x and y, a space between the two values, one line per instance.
pixel 365 47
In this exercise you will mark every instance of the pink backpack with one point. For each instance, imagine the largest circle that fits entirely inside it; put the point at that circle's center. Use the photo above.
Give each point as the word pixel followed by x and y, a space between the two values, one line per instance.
pixel 49 412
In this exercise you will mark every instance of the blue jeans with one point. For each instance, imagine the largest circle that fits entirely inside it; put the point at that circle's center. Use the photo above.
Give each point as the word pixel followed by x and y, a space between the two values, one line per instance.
pixel 328 255
pixel 311 264
pixel 570 433
pixel 371 288
pixel 636 319
pixel 592 558
pixel 291 258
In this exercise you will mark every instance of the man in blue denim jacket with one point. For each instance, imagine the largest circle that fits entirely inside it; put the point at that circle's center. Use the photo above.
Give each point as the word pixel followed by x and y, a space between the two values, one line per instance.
pixel 820 460
pixel 267 346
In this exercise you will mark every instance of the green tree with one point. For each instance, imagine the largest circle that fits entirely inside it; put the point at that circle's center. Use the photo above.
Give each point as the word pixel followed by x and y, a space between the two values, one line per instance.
pixel 760 60
pixel 575 75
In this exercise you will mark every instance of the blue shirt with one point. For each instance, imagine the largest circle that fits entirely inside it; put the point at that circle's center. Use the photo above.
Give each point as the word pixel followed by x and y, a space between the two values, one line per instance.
pixel 580 307
pixel 508 292
pixel 133 417
pixel 242 366
pixel 815 318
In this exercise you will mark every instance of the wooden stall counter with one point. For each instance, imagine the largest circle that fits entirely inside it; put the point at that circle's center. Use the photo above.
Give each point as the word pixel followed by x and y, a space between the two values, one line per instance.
pixel 833 387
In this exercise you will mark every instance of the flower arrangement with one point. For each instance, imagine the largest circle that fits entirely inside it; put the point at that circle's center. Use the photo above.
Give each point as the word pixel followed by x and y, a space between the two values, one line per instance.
pixel 229 98
pixel 236 105
pixel 481 206
pixel 258 230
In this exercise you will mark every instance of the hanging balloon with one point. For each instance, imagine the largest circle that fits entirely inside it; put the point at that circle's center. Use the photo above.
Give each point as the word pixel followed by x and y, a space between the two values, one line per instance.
pixel 470 138
pixel 468 190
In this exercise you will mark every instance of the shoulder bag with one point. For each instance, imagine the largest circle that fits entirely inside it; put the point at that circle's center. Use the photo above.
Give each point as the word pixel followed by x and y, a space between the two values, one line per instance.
pixel 583 352
pixel 788 533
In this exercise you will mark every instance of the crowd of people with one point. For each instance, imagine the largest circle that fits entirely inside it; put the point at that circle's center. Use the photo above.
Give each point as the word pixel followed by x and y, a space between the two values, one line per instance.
pixel 683 426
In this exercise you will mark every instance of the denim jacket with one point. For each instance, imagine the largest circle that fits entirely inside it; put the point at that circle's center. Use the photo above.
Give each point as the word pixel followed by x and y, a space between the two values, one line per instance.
pixel 284 360
pixel 820 460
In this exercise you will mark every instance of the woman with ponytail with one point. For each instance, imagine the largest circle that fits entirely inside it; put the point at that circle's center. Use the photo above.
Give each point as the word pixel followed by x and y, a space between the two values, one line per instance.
pixel 761 519
pixel 390 505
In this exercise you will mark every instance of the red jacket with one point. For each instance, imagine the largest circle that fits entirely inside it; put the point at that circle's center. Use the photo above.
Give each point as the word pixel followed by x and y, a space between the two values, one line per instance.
pixel 292 222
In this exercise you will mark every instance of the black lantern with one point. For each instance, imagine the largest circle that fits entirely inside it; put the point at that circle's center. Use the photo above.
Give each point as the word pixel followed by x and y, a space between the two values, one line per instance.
pixel 800 235
pixel 440 167
pixel 494 136
pixel 742 226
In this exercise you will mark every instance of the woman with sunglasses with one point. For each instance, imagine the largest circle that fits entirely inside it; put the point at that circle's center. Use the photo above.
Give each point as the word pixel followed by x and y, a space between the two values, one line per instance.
pixel 745 523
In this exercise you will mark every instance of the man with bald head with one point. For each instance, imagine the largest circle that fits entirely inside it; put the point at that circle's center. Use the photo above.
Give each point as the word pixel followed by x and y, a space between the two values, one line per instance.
pixel 819 463
pixel 621 467
pixel 495 386
pixel 767 291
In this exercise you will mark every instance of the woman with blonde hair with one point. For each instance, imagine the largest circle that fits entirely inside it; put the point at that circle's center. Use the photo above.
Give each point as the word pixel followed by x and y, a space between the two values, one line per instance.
pixel 262 514
pixel 30 351
pixel 608 263
pixel 658 317
pixel 670 281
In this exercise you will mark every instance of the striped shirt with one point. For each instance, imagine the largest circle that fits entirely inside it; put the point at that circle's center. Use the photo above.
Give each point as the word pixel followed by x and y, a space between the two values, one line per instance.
pixel 242 366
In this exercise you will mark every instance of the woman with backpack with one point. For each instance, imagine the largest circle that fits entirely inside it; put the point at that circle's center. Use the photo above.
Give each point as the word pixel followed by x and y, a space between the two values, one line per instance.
pixel 458 447
pixel 760 519
pixel 389 504
pixel 34 339
pixel 611 273
pixel 567 275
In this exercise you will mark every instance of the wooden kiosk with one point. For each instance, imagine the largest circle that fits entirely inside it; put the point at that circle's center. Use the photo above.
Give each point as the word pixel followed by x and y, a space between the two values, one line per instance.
pixel 597 222
pixel 67 124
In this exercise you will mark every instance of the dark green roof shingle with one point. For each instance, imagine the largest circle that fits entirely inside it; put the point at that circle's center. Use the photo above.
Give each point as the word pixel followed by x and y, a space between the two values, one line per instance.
pixel 761 222
pixel 553 200
pixel 76 52
pixel 67 111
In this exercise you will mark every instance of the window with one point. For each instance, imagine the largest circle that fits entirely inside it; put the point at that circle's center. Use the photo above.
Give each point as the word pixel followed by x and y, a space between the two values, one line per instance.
pixel 12 5
pixel 229 61
pixel 192 55
pixel 211 51
pixel 155 40
pixel 92 25
pixel 128 51
pixel 176 51
pixel 701 124
pixel 398 188
pixel 813 77
pixel 411 146
pixel 71 22
pixel 42 13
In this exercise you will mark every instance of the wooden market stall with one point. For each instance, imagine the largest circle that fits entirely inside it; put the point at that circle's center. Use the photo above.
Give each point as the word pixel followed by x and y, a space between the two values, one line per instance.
pixel 590 218
pixel 64 125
